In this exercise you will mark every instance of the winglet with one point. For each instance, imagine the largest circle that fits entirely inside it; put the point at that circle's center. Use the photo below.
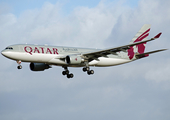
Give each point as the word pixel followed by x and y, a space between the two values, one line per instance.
pixel 158 35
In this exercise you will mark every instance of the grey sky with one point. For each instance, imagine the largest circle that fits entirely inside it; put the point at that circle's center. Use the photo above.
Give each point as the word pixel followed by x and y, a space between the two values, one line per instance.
pixel 138 90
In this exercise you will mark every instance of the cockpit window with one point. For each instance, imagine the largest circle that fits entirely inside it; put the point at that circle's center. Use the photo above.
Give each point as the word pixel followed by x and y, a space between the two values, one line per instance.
pixel 10 48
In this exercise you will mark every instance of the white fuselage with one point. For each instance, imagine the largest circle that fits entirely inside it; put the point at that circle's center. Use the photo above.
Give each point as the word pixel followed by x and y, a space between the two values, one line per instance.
pixel 52 55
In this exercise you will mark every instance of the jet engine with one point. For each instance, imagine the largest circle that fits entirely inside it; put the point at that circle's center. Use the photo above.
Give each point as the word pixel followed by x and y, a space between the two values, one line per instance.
pixel 39 66
pixel 74 60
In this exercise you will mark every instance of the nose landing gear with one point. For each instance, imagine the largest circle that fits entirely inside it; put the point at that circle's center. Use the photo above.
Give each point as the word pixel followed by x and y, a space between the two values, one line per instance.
pixel 19 64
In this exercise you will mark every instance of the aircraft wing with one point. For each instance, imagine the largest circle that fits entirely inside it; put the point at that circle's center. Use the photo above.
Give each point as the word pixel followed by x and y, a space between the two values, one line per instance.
pixel 103 53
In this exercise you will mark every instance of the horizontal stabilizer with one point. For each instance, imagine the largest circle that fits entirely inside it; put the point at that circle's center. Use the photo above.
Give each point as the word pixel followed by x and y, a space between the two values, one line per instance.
pixel 147 54
pixel 158 35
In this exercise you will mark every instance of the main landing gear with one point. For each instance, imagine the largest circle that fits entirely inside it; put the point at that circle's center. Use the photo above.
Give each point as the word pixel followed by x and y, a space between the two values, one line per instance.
pixel 19 64
pixel 89 72
pixel 66 72
pixel 70 75
pixel 87 69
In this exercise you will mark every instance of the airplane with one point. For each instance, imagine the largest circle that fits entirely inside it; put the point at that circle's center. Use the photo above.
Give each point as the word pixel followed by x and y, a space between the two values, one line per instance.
pixel 42 57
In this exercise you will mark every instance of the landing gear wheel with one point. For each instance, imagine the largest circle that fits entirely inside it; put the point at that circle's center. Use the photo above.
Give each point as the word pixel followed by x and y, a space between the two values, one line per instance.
pixel 64 72
pixel 19 67
pixel 90 72
pixel 67 72
pixel 70 75
pixel 86 69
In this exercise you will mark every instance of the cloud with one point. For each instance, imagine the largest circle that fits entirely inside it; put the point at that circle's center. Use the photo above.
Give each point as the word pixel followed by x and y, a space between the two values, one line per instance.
pixel 137 90
pixel 159 72
pixel 48 25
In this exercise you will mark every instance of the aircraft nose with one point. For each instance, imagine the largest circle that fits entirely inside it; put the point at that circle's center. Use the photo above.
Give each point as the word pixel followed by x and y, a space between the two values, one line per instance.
pixel 3 52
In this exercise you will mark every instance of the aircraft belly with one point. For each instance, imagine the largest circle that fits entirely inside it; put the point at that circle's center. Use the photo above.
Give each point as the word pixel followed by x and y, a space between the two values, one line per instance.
pixel 57 62
pixel 111 61
pixel 26 57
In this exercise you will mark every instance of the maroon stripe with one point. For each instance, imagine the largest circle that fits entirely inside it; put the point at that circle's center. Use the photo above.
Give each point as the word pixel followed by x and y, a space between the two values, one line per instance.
pixel 139 38
pixel 145 32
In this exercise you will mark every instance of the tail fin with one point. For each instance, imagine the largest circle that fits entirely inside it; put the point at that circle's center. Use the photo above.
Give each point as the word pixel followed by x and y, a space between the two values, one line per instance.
pixel 141 35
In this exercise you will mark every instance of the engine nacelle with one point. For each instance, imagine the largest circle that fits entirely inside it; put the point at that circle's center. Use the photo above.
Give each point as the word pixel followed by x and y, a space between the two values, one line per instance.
pixel 39 66
pixel 74 60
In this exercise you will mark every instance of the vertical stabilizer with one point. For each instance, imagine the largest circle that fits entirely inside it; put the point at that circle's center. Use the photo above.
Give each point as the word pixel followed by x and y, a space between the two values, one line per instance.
pixel 141 35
